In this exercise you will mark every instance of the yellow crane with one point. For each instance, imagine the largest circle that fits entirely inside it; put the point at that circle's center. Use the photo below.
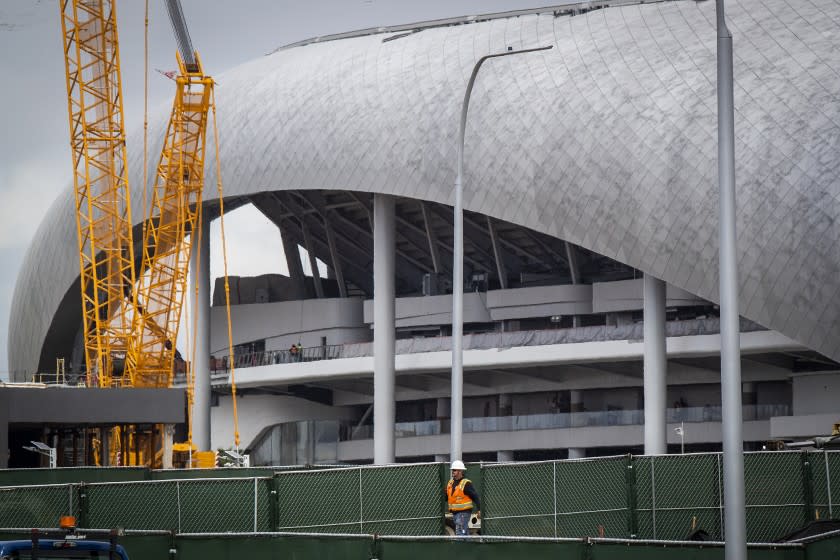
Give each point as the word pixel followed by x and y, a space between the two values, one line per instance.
pixel 131 328
pixel 176 211
pixel 100 180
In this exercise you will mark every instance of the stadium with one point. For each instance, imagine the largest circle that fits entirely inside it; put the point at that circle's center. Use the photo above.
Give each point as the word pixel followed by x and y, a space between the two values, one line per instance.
pixel 590 193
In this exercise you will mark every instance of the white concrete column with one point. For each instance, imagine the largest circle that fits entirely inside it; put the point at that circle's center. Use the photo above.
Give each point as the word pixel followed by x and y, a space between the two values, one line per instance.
pixel 200 275
pixel 168 436
pixel 576 453
pixel 384 325
pixel 655 380
pixel 575 400
pixel 504 456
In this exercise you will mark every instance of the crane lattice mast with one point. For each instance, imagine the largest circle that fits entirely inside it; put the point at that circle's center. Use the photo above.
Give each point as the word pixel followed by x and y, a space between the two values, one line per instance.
pixel 101 189
pixel 176 212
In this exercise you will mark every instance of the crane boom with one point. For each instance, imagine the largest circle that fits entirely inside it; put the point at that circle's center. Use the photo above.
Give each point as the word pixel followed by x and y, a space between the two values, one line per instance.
pixel 100 180
pixel 182 34
pixel 176 212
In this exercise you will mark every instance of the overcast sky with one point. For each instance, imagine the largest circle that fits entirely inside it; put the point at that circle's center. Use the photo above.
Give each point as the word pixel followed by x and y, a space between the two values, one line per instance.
pixel 34 140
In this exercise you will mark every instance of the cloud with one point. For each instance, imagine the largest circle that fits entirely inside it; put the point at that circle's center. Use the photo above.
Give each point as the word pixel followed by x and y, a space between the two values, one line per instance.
pixel 28 189
pixel 254 246
pixel 11 259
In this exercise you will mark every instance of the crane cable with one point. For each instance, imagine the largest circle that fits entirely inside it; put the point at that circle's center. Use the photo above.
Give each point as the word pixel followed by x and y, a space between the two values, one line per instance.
pixel 192 334
pixel 227 284
pixel 145 120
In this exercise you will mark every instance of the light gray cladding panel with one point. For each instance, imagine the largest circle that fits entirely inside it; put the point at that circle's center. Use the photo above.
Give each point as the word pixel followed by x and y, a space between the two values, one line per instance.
pixel 608 141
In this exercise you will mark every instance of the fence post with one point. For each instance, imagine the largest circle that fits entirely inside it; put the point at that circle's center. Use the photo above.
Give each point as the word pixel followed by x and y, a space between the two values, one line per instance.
pixel 256 502
pixel 274 504
pixel 178 500
pixel 807 488
pixel 720 499
pixel 361 504
pixel 83 506
pixel 653 495
pixel 554 493
pixel 630 483
pixel 828 483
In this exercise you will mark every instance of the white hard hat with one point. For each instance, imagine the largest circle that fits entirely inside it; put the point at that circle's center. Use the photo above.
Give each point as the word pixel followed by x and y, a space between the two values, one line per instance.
pixel 458 466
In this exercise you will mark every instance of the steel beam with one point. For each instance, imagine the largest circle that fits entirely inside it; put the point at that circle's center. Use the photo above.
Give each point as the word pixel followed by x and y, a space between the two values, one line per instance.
pixel 500 265
pixel 431 236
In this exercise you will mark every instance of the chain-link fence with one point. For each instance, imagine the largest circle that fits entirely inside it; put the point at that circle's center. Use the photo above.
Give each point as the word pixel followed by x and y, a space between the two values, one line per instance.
pixel 677 495
pixel 671 497
pixel 778 496
pixel 588 497
pixel 394 500
pixel 667 497
pixel 37 506
pixel 185 506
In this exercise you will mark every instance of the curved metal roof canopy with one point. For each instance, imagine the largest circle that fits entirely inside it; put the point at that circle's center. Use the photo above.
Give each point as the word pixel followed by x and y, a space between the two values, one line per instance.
pixel 607 141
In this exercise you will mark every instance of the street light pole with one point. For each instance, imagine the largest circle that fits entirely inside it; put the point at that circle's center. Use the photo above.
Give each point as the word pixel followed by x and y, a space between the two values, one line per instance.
pixel 457 411
pixel 730 350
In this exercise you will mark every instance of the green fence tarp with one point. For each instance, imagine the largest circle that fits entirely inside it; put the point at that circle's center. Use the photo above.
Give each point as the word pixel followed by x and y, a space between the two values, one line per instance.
pixel 648 497
pixel 224 472
pixel 37 506
pixel 270 547
pixel 66 475
pixel 395 500
pixel 146 546
pixel 678 495
pixel 186 506
pixel 565 499
pixel 775 495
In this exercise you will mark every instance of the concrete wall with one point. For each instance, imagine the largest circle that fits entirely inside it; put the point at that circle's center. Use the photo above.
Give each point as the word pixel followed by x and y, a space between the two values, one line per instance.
pixel 258 412
pixel 74 406
pixel 304 321
pixel 816 393
pixel 626 295
pixel 802 427
pixel 522 303
pixel 343 321
pixel 541 301
pixel 433 310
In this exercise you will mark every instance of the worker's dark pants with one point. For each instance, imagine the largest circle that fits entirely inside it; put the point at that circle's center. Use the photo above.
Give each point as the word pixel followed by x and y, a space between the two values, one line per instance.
pixel 462 522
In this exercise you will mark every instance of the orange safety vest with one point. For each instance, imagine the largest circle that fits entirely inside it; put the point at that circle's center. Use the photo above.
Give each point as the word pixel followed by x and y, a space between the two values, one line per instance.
pixel 458 501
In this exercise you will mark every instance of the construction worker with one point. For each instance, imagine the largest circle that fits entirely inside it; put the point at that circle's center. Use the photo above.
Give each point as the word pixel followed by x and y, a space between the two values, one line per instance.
pixel 461 497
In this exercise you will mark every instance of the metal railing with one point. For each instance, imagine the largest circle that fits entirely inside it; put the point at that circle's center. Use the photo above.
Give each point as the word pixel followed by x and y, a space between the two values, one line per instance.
pixel 220 365
pixel 271 357
pixel 568 420
pixel 535 337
